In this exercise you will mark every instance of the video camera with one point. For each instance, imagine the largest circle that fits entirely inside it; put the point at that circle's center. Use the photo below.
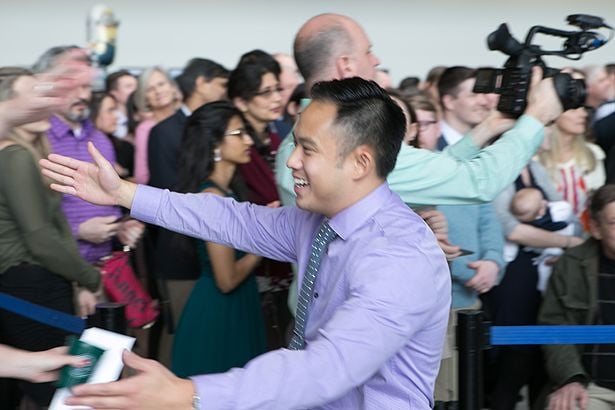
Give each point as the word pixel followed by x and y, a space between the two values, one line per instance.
pixel 512 82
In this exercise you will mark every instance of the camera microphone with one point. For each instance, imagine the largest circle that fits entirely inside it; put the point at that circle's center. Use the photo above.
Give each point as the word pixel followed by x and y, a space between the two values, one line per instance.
pixel 588 41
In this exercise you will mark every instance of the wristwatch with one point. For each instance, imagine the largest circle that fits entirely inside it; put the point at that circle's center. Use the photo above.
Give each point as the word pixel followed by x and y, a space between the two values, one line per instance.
pixel 196 402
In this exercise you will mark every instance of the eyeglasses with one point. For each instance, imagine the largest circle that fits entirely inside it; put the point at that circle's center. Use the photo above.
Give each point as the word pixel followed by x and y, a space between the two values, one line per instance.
pixel 238 133
pixel 425 124
pixel 268 92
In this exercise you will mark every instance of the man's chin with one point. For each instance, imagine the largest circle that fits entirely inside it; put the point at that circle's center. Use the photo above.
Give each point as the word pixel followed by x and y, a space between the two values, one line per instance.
pixel 78 115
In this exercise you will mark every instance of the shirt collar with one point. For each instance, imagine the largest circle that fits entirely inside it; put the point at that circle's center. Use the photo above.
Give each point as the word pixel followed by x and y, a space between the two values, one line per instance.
pixel 352 218
pixel 184 108
pixel 451 135
pixel 61 129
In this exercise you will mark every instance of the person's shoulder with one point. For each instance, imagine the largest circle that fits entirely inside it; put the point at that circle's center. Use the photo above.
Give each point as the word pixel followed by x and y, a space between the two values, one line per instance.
pixel 398 222
pixel 145 126
pixel 170 123
pixel 5 144
pixel 16 158
pixel 596 150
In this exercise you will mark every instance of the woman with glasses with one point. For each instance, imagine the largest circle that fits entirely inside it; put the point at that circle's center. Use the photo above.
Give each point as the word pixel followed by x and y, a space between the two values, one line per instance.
pixel 221 326
pixel 254 88
pixel 427 122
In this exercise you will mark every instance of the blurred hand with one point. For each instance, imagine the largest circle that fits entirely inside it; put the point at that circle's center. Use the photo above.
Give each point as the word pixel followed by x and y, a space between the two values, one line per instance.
pixel 485 277
pixel 542 100
pixel 86 301
pixel 98 229
pixel 130 232
pixel 450 251
pixel 435 220
pixel 439 225
pixel 568 396
pixel 152 388
pixel 273 204
pixel 36 367
pixel 46 96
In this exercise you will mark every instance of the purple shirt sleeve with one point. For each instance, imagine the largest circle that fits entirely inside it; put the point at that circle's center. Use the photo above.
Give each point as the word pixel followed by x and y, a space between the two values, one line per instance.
pixel 269 231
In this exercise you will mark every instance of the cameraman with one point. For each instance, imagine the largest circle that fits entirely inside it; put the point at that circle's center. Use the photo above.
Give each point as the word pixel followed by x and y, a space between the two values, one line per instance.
pixel 463 173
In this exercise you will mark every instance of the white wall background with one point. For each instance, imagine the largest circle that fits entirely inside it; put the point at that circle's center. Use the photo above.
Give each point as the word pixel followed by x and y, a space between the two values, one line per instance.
pixel 409 36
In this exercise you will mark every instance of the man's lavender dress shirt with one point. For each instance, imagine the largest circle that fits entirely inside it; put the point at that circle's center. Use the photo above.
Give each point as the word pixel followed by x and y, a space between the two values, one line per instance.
pixel 377 321
pixel 64 142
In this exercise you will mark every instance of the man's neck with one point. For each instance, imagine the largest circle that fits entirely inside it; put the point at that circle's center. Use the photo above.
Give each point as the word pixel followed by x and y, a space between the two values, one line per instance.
pixel 356 194
pixel 194 102
pixel 450 134
pixel 72 124
pixel 593 101
pixel 455 123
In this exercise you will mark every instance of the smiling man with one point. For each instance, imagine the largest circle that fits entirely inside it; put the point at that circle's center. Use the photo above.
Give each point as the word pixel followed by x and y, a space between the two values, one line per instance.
pixel 375 293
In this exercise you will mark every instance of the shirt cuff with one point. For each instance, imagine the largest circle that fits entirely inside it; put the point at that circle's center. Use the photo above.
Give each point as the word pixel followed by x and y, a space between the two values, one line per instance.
pixel 530 123
pixel 146 203
pixel 214 391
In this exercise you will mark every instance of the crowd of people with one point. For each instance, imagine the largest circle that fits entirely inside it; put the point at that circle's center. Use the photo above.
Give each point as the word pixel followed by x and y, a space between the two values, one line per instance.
pixel 309 230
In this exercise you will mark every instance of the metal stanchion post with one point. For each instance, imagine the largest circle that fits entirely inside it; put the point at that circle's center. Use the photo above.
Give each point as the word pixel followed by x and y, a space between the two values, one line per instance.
pixel 109 316
pixel 469 346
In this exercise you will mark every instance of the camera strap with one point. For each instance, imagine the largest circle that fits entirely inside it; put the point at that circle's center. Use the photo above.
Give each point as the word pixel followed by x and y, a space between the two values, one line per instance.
pixel 51 317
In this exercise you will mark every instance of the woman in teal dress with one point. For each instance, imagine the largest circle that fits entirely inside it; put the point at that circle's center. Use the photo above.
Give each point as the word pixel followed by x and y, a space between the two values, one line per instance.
pixel 221 326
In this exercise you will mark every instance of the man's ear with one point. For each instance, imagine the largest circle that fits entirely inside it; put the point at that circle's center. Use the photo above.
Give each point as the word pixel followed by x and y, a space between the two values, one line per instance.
pixel 363 161
pixel 594 229
pixel 344 66
pixel 447 102
pixel 240 104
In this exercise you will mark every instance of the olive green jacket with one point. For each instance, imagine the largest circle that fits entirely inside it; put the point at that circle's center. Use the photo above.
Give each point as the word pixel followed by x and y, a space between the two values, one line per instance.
pixel 570 299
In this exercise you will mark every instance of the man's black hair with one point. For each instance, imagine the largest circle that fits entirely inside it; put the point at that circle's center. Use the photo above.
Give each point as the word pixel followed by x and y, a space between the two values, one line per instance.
pixel 369 117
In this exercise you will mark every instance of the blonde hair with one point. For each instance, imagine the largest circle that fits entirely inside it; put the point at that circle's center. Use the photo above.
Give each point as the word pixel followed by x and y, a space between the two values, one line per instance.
pixel 39 147
pixel 140 97
pixel 582 154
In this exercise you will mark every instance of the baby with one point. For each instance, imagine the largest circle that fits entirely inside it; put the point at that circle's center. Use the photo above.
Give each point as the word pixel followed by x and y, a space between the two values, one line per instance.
pixel 529 206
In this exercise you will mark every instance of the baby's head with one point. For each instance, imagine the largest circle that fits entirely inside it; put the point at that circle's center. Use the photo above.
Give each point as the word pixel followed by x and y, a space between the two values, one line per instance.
pixel 528 204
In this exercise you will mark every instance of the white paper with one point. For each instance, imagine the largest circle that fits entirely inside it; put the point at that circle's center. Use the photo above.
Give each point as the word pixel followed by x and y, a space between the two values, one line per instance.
pixel 109 365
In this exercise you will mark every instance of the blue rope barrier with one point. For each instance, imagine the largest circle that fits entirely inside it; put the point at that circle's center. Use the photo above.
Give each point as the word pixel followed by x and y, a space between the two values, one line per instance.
pixel 552 335
pixel 51 317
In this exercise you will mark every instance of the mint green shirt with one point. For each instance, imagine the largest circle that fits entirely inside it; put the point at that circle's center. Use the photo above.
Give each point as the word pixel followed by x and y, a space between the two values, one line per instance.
pixel 461 174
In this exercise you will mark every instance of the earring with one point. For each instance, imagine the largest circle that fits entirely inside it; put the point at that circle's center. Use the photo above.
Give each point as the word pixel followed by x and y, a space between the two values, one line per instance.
pixel 217 156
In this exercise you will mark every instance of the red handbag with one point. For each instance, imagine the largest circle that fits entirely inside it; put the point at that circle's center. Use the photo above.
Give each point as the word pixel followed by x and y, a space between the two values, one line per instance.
pixel 121 285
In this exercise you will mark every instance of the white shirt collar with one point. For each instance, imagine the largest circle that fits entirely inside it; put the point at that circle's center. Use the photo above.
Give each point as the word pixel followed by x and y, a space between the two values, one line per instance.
pixel 451 136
